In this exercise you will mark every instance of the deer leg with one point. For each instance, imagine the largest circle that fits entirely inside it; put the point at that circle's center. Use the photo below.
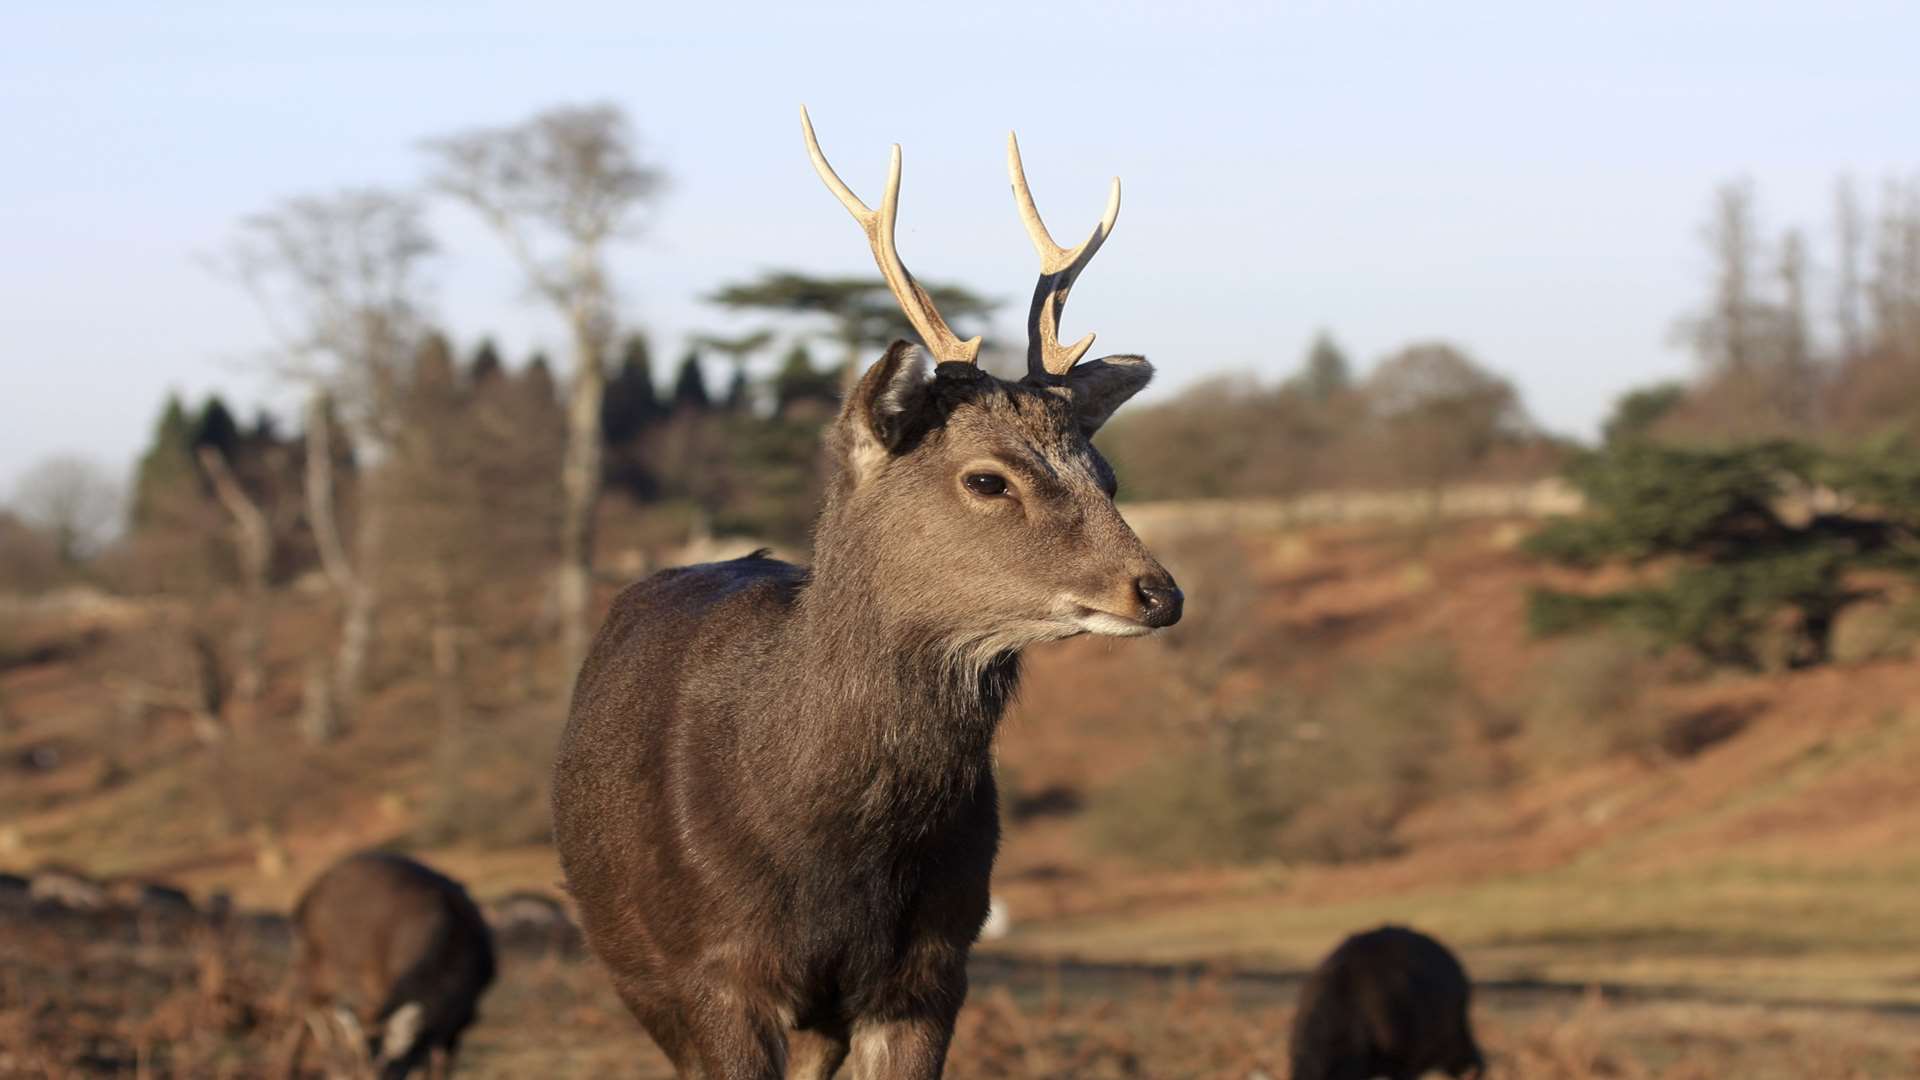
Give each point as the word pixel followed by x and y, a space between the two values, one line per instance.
pixel 813 1054
pixel 661 1021
pixel 904 1048
pixel 732 1042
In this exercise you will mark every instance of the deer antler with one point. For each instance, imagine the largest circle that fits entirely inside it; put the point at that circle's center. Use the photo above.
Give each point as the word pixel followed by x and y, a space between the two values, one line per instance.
pixel 878 225
pixel 1047 359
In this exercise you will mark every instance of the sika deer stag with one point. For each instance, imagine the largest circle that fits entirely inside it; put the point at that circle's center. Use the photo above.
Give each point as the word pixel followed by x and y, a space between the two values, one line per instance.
pixel 773 799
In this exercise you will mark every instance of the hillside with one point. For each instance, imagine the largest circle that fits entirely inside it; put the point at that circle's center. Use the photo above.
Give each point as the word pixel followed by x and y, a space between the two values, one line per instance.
pixel 1749 834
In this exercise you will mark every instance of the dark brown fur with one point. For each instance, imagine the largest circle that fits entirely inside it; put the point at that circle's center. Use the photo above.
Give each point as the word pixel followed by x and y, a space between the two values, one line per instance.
pixel 380 933
pixel 1390 1002
pixel 773 800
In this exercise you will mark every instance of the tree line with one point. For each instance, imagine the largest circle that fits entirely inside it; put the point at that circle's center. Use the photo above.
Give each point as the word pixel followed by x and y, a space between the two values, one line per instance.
pixel 1778 491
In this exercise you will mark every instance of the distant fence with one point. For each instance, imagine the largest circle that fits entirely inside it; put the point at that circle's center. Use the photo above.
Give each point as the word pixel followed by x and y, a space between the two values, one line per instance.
pixel 1535 499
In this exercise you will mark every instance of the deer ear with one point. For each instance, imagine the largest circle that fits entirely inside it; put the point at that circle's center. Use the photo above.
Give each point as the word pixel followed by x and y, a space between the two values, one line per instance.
pixel 1098 387
pixel 885 410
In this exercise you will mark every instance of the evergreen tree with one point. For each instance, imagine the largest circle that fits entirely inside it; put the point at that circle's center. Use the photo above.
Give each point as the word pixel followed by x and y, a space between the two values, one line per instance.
pixel 536 383
pixel 862 310
pixel 486 364
pixel 798 380
pixel 690 385
pixel 1327 373
pixel 433 365
pixel 216 427
pixel 739 392
pixel 631 402
pixel 1735 557
pixel 1637 411
pixel 265 430
pixel 738 353
pixel 167 468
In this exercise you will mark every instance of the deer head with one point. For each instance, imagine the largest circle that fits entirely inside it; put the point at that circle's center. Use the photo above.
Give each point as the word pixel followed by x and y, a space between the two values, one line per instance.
pixel 981 503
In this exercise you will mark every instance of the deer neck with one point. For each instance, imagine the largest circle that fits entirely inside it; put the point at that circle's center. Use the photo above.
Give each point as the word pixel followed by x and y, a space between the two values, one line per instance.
pixel 902 712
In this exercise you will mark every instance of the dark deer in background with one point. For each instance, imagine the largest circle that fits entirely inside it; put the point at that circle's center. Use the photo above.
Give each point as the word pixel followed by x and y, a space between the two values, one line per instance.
pixel 773 799
pixel 1390 1002
pixel 401 950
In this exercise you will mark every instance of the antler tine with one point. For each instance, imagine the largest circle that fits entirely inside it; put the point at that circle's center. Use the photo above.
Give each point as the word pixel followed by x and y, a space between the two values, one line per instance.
pixel 1047 359
pixel 940 339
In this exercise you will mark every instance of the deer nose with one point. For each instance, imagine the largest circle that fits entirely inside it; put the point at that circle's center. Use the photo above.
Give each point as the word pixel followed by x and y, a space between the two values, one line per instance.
pixel 1160 599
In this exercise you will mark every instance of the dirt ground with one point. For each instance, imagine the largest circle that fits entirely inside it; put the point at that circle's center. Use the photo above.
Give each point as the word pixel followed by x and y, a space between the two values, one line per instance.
pixel 111 996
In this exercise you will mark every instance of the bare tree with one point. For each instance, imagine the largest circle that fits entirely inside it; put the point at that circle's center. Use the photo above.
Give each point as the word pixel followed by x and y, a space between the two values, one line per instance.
pixel 74 501
pixel 338 278
pixel 1849 237
pixel 1793 346
pixel 558 188
pixel 1727 337
pixel 1895 291
pixel 253 540
pixel 1441 413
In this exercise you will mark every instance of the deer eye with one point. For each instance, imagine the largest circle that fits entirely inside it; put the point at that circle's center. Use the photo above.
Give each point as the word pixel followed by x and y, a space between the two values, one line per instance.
pixel 986 485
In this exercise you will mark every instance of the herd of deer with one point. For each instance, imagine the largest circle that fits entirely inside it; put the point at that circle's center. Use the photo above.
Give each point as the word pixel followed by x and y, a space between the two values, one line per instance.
pixel 774 802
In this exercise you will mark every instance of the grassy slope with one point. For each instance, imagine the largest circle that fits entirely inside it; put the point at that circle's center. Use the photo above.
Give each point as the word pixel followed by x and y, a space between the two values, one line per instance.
pixel 1779 862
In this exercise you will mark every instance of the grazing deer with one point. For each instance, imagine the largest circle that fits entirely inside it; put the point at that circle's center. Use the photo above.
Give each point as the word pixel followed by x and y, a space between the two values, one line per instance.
pixel 773 800
pixel 1390 1002
pixel 55 887
pixel 401 951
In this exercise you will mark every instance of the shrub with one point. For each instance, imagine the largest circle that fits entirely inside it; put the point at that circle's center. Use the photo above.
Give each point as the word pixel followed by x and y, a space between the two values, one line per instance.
pixel 1193 808
pixel 1587 701
pixel 1740 552
pixel 1876 630
pixel 1327 778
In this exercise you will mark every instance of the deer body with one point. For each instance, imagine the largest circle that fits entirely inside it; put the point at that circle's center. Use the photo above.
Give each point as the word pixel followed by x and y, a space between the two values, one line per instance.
pixel 402 950
pixel 831 863
pixel 774 800
pixel 1390 1002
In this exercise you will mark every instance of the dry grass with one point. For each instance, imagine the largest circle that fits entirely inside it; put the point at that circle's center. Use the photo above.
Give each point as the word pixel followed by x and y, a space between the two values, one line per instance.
pixel 1775 861
pixel 1196 1033
pixel 90 999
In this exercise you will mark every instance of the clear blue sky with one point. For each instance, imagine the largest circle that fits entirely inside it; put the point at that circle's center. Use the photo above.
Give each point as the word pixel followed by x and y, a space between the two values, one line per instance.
pixel 1525 180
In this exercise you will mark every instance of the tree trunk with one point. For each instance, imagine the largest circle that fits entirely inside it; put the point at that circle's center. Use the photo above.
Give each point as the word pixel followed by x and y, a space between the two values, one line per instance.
pixel 353 582
pixel 361 601
pixel 580 490
pixel 326 527
pixel 1848 239
pixel 255 543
